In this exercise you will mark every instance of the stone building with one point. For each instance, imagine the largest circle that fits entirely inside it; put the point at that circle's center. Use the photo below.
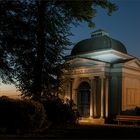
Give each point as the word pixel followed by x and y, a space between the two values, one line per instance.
pixel 103 78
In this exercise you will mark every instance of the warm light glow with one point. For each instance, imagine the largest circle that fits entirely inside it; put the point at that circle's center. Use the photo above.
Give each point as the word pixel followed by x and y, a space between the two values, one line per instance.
pixel 66 98
pixel 88 121
pixel 9 90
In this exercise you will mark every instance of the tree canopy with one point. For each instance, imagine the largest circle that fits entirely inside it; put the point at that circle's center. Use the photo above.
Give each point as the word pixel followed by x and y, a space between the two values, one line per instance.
pixel 33 37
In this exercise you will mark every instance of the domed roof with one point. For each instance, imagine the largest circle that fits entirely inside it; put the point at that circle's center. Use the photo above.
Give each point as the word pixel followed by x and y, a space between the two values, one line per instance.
pixel 99 41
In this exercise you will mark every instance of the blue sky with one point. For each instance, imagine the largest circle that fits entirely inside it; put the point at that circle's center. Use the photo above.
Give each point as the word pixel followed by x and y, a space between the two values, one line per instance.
pixel 123 25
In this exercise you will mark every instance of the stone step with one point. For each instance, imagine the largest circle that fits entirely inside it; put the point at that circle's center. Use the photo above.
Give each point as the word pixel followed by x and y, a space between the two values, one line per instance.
pixel 91 121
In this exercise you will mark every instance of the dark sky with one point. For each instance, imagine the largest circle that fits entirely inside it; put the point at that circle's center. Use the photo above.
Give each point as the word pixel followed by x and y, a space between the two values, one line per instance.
pixel 123 25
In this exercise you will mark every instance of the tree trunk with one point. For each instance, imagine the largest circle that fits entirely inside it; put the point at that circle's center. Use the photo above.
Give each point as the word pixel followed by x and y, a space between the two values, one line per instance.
pixel 40 50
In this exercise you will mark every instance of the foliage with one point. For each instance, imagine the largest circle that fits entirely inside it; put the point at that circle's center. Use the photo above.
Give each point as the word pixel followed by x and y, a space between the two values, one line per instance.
pixel 21 116
pixel 133 111
pixel 33 37
pixel 60 112
pixel 137 109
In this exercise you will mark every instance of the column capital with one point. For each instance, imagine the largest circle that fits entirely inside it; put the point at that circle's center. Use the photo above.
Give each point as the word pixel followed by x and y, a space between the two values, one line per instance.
pixel 105 77
pixel 102 76
pixel 102 97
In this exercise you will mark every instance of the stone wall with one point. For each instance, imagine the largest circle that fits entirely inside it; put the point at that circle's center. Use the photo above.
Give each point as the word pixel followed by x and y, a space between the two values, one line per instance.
pixel 131 92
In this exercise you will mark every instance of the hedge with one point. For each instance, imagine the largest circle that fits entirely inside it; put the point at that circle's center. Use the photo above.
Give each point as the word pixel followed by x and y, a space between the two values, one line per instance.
pixel 21 116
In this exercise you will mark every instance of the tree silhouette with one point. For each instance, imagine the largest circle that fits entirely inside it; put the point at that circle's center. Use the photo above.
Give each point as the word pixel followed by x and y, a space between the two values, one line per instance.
pixel 33 37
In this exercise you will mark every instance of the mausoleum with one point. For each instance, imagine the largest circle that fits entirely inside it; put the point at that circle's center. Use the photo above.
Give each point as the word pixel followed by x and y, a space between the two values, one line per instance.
pixel 102 79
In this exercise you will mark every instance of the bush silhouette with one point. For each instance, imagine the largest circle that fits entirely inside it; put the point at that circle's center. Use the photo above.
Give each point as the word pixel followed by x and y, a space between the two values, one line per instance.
pixel 59 112
pixel 20 116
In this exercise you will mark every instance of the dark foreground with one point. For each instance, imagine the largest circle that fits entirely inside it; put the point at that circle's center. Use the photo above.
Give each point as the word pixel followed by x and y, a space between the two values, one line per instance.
pixel 84 132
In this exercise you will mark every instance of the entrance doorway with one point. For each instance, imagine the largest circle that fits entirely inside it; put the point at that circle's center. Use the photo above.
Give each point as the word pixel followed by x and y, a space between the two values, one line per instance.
pixel 83 101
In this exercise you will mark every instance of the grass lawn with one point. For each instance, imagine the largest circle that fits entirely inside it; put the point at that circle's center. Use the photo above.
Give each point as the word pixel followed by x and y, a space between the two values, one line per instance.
pixel 98 131
pixel 85 132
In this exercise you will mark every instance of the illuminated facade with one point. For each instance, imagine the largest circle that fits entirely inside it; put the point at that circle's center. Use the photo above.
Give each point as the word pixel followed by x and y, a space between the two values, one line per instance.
pixel 103 79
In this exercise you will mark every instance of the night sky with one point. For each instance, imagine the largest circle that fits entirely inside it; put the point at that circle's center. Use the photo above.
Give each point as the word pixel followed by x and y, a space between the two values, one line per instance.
pixel 123 25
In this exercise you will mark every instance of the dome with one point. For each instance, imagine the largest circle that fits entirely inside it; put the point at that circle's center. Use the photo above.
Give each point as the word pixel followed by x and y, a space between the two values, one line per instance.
pixel 99 40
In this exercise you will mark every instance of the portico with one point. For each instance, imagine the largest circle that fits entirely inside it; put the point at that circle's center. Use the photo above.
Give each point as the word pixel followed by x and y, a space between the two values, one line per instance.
pixel 90 93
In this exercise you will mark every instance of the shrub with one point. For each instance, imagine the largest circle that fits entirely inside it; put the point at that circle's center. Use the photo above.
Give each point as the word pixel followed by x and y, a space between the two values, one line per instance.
pixel 133 111
pixel 59 112
pixel 137 109
pixel 20 116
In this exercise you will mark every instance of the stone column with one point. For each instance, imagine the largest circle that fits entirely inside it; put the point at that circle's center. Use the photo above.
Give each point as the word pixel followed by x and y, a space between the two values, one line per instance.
pixel 102 97
pixel 91 98
pixel 75 90
pixel 71 89
pixel 94 98
pixel 106 97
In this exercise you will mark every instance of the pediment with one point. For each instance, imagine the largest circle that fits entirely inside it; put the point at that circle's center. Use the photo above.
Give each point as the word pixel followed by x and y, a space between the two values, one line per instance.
pixel 78 62
pixel 135 63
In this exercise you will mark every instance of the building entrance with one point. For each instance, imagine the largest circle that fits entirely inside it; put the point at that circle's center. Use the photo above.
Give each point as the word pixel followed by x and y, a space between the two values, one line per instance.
pixel 83 99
